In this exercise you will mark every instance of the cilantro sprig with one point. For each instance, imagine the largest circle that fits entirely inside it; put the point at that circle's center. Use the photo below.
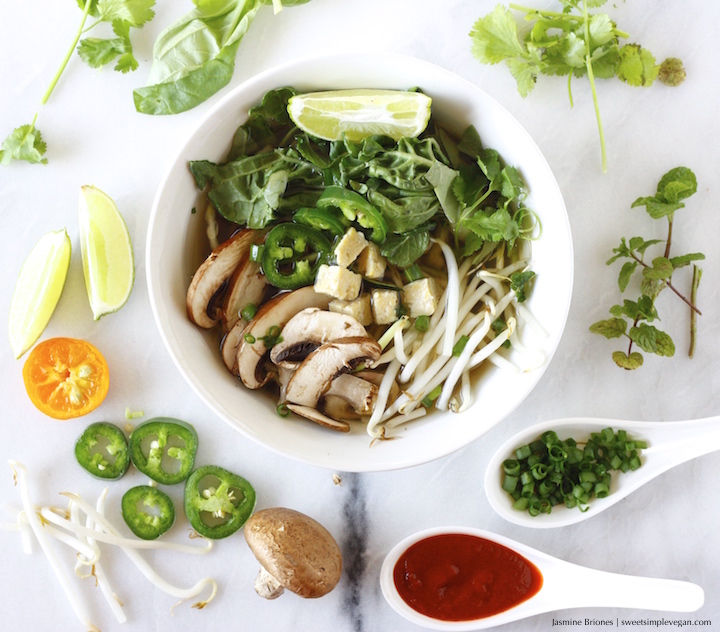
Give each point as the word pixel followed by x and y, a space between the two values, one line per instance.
pixel 633 319
pixel 572 43
pixel 25 142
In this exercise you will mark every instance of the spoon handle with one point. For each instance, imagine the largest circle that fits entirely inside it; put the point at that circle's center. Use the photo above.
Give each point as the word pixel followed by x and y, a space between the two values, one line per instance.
pixel 584 587
pixel 685 440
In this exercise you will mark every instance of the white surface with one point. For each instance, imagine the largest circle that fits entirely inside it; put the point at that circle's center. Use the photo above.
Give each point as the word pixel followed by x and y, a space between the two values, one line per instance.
pixel 175 234
pixel 667 529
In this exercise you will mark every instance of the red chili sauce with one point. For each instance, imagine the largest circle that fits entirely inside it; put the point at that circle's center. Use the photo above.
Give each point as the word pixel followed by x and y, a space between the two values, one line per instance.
pixel 459 577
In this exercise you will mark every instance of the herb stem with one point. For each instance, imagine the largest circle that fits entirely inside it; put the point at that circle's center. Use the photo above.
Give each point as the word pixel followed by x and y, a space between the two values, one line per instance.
pixel 544 13
pixel 690 303
pixel 56 78
pixel 591 79
pixel 669 237
pixel 635 323
pixel 697 274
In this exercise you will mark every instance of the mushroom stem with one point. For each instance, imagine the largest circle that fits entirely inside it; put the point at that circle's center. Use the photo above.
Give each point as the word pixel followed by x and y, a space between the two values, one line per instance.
pixel 267 586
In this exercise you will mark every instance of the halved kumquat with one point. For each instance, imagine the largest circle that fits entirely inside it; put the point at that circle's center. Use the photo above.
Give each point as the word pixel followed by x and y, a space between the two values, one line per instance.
pixel 66 377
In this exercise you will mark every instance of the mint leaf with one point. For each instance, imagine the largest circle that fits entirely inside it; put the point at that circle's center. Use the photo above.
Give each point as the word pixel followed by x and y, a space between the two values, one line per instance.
pixel 625 273
pixel 684 260
pixel 652 287
pixel 610 328
pixel 24 143
pixel 657 208
pixel 652 340
pixel 640 245
pixel 677 184
pixel 628 362
pixel 642 309
pixel 661 269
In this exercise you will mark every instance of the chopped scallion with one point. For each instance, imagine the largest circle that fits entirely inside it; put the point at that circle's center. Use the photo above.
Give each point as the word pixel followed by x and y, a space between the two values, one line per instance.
pixel 549 471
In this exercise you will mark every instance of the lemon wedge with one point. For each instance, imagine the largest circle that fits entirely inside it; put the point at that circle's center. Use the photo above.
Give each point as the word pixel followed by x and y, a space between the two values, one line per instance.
pixel 38 288
pixel 107 254
pixel 356 114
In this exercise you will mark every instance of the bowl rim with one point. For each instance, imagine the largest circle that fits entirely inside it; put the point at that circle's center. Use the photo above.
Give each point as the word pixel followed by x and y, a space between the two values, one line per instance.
pixel 179 160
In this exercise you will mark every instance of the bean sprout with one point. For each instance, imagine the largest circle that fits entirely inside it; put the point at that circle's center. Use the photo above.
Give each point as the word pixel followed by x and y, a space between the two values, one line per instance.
pixel 459 368
pixel 65 526
pixel 20 473
pixel 382 397
pixel 452 303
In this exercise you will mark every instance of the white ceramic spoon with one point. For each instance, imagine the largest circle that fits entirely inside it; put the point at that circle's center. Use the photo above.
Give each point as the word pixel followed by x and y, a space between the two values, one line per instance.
pixel 565 585
pixel 669 444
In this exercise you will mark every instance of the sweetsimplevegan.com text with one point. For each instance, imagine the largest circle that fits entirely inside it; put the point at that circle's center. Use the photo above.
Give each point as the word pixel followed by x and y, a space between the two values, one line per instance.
pixel 620 623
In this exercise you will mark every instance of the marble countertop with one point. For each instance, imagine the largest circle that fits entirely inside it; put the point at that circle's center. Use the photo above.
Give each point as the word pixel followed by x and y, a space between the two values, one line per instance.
pixel 667 529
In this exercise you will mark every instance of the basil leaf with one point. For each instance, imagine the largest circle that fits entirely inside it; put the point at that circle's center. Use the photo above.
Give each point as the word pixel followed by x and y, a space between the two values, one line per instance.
pixel 195 57
pixel 404 250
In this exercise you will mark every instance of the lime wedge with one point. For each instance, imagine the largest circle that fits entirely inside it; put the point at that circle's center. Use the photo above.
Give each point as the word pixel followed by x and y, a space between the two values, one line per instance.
pixel 356 114
pixel 107 253
pixel 38 288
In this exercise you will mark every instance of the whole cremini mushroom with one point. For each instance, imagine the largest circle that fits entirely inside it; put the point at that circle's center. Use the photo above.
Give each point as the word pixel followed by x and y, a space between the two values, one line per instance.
pixel 294 551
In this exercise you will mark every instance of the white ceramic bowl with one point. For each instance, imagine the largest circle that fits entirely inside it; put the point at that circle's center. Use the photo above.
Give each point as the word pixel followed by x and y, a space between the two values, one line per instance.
pixel 176 246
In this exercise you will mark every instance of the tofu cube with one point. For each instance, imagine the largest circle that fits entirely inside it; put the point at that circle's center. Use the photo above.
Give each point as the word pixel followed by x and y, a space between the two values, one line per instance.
pixel 371 263
pixel 421 297
pixel 385 305
pixel 360 309
pixel 349 247
pixel 338 282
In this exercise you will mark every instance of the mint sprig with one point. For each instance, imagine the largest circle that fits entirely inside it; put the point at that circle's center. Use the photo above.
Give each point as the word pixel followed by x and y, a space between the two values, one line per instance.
pixel 633 319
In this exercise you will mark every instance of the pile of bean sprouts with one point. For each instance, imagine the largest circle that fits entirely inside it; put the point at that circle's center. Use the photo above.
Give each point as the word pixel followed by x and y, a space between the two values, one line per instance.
pixel 83 527
pixel 473 299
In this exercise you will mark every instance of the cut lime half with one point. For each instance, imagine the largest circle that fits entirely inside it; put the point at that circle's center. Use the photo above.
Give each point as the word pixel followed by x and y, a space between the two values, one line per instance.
pixel 356 114
pixel 38 288
pixel 107 253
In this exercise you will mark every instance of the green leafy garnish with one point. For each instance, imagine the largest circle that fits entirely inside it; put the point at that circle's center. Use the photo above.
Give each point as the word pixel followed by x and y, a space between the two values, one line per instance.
pixel 632 319
pixel 432 186
pixel 195 57
pixel 572 43
pixel 25 142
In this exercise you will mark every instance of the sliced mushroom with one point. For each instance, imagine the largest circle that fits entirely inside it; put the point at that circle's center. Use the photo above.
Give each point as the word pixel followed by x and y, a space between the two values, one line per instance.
pixel 337 408
pixel 230 345
pixel 314 376
pixel 246 286
pixel 294 551
pixel 359 393
pixel 208 281
pixel 274 313
pixel 309 329
pixel 283 377
pixel 313 414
